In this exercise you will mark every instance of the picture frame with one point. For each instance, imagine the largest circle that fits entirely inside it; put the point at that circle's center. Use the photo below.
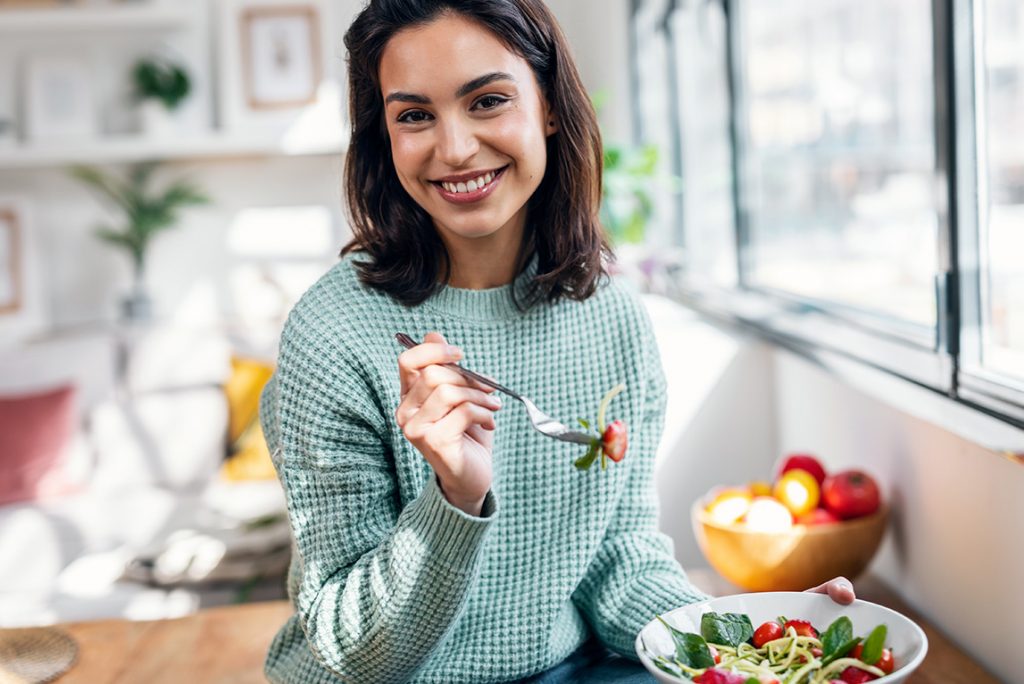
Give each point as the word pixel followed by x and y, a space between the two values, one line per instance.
pixel 11 254
pixel 59 98
pixel 282 60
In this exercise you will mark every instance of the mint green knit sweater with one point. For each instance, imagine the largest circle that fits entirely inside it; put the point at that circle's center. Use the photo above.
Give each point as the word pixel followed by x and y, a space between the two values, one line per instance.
pixel 390 582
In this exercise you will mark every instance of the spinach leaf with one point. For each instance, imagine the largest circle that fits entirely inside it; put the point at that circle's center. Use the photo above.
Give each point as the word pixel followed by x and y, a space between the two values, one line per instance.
pixel 841 651
pixel 691 649
pixel 873 645
pixel 584 462
pixel 837 634
pixel 726 628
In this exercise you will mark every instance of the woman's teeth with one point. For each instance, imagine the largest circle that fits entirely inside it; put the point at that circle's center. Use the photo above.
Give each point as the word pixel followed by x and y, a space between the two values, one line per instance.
pixel 468 186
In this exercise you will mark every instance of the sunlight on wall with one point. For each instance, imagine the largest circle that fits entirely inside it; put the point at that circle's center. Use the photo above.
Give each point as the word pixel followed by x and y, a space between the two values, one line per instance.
pixel 282 232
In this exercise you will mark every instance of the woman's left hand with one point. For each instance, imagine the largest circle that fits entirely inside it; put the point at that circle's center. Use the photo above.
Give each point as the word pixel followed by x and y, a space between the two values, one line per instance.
pixel 840 589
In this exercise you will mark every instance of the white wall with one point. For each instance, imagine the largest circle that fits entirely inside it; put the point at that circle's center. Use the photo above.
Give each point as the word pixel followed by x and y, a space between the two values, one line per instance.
pixel 597 33
pixel 955 549
pixel 82 277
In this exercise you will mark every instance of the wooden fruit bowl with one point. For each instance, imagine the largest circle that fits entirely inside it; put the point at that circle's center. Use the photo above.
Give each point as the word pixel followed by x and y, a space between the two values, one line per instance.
pixel 794 560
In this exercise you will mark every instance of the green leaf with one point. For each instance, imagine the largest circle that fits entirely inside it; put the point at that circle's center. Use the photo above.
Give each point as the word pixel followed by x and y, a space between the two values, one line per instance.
pixel 691 649
pixel 874 644
pixel 837 634
pixel 584 423
pixel 840 651
pixel 587 460
pixel 726 628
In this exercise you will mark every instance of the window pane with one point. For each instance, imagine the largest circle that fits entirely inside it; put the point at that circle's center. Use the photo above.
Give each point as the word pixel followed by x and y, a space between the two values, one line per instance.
pixel 1002 239
pixel 840 154
pixel 699 28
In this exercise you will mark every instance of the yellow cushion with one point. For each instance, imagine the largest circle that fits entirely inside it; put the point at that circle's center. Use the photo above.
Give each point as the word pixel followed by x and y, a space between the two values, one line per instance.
pixel 251 459
pixel 248 457
pixel 248 376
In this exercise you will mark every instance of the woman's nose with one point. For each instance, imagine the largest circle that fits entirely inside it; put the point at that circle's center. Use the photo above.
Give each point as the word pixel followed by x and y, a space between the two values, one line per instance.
pixel 457 144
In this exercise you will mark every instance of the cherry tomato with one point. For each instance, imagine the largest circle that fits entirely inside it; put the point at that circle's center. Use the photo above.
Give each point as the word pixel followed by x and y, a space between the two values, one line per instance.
pixel 802 627
pixel 850 494
pixel 769 631
pixel 886 663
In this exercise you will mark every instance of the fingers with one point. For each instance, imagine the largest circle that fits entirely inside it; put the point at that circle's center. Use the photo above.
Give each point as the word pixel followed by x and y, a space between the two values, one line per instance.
pixel 839 590
pixel 434 350
pixel 438 436
pixel 441 399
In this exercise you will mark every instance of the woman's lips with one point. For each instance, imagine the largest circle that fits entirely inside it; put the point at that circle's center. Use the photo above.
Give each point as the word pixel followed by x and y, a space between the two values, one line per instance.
pixel 472 195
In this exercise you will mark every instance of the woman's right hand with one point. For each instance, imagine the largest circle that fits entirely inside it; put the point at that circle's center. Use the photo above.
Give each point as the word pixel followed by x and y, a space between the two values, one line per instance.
pixel 449 419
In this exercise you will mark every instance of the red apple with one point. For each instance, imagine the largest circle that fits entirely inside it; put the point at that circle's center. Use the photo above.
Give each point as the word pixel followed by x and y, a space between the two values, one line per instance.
pixel 819 516
pixel 803 462
pixel 851 494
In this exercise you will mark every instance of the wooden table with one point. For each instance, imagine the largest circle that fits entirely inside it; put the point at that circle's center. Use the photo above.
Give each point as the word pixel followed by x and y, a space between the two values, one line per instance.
pixel 227 645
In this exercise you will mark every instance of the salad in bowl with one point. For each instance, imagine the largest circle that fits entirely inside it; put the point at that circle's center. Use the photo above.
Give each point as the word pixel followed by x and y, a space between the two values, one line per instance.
pixel 781 638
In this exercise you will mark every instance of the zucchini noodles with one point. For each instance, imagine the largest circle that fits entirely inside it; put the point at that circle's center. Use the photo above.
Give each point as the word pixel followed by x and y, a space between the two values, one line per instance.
pixel 792 658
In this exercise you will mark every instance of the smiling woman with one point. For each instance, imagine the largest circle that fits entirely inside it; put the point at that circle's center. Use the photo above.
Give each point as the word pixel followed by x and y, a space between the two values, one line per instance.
pixel 441 95
pixel 473 183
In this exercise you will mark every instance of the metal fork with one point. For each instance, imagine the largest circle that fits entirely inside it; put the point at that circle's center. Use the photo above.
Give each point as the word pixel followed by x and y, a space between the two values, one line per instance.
pixel 544 423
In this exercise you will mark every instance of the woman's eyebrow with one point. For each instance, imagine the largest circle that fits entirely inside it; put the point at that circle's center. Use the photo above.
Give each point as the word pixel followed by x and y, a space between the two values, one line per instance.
pixel 464 89
pixel 481 81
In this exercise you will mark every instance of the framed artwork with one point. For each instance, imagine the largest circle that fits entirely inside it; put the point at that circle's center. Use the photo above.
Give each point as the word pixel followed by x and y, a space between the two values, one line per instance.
pixel 282 61
pixel 59 99
pixel 11 284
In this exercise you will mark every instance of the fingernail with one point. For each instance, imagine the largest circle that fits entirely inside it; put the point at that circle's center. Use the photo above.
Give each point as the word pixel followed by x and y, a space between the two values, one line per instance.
pixel 453 351
pixel 494 400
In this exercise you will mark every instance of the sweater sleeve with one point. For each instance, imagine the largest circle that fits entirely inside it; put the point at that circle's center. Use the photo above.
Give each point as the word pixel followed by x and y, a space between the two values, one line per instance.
pixel 378 587
pixel 634 576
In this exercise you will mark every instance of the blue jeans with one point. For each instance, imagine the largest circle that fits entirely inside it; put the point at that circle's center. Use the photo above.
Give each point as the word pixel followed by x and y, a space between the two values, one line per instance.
pixel 592 663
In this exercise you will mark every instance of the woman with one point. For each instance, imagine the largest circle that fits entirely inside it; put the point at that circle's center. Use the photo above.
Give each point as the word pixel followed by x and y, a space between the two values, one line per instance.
pixel 432 544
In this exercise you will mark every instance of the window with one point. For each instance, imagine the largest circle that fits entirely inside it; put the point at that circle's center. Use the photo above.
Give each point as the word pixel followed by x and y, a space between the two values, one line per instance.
pixel 853 177
pixel 839 156
pixel 698 32
pixel 992 239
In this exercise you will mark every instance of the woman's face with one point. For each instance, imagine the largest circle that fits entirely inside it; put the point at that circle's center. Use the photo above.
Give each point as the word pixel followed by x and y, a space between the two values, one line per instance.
pixel 468 126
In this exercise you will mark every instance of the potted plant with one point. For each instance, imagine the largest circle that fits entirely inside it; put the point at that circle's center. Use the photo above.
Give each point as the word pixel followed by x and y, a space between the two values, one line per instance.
pixel 160 86
pixel 630 180
pixel 147 212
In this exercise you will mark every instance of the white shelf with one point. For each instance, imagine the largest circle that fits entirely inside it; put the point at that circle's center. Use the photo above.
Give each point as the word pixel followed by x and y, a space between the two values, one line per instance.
pixel 136 148
pixel 92 19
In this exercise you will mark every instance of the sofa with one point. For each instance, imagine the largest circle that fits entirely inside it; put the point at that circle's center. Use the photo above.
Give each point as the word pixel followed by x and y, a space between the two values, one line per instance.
pixel 143 521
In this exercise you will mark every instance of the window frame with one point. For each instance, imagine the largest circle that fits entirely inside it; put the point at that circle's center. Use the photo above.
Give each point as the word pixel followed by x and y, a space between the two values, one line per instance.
pixel 946 360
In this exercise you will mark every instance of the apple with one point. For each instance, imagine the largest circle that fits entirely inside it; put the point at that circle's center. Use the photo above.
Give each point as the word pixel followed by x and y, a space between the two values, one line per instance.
pixel 850 494
pixel 729 505
pixel 819 516
pixel 803 462
pixel 798 490
pixel 767 514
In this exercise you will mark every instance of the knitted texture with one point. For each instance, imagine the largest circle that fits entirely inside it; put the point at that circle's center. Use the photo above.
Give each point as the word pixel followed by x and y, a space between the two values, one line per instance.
pixel 390 582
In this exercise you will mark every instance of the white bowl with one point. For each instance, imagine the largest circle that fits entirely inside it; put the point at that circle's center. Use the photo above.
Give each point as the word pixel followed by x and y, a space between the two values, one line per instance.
pixel 905 638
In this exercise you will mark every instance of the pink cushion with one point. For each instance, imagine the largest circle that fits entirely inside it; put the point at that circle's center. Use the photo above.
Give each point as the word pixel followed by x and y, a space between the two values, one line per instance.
pixel 36 432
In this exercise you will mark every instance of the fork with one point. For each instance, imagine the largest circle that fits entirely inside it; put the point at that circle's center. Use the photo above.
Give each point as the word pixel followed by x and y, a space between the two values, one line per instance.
pixel 544 423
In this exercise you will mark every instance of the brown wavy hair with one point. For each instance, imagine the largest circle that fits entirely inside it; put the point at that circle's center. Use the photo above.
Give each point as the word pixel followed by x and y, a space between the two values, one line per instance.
pixel 408 259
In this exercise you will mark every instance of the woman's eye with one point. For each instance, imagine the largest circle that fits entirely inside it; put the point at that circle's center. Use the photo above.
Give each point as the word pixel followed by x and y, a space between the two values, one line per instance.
pixel 413 116
pixel 490 101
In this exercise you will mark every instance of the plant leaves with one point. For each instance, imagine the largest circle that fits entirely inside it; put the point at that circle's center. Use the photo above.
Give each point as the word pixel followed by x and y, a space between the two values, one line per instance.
pixel 691 649
pixel 584 462
pixel 726 628
pixel 840 651
pixel 837 634
pixel 873 645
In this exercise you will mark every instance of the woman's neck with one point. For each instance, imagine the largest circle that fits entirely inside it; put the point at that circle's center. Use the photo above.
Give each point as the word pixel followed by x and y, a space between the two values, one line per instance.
pixel 486 262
